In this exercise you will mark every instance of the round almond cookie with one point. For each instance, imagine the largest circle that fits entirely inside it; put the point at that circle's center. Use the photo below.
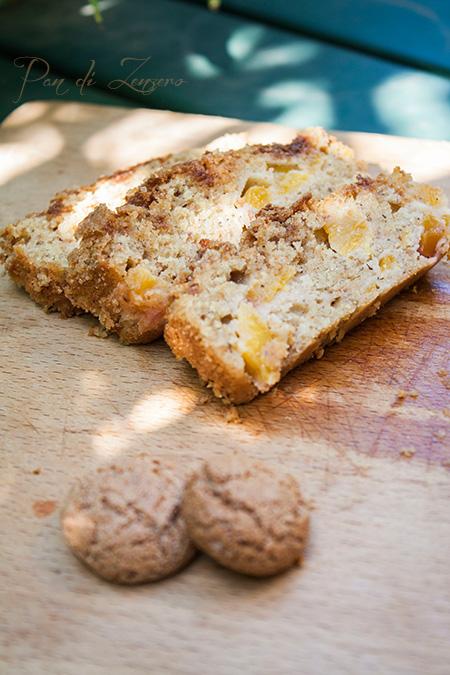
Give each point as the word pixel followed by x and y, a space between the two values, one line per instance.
pixel 124 521
pixel 246 515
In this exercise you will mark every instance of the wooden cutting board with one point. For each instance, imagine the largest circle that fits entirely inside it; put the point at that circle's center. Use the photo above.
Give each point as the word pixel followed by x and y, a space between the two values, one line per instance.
pixel 373 595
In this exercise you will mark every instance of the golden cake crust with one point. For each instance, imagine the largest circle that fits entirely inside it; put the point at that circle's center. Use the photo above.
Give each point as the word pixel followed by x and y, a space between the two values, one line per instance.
pixel 43 284
pixel 187 342
pixel 234 385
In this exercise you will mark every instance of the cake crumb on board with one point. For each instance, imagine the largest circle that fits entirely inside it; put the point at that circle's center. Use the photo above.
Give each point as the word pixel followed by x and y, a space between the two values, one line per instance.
pixel 204 399
pixel 402 394
pixel 98 332
pixel 408 452
pixel 232 415
pixel 445 378
pixel 44 508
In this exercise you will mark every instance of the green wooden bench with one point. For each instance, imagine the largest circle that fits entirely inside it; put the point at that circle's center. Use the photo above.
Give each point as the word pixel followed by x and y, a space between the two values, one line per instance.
pixel 222 63
pixel 414 32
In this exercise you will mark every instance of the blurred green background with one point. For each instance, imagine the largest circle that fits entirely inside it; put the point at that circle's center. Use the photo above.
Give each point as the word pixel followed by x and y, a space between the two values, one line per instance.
pixel 365 65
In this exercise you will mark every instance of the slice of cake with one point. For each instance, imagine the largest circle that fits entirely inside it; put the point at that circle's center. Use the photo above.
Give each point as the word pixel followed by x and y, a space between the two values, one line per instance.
pixel 35 249
pixel 128 259
pixel 302 277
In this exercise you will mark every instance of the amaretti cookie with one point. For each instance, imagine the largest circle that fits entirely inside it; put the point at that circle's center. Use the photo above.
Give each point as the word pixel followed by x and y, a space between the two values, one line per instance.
pixel 35 249
pixel 127 260
pixel 302 277
pixel 124 521
pixel 246 515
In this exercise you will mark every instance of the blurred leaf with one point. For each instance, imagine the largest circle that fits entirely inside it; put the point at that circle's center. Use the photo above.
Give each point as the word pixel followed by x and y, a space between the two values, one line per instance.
pixel 97 13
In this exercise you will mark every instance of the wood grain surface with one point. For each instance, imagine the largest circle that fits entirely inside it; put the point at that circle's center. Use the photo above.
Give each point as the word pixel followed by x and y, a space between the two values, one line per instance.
pixel 373 595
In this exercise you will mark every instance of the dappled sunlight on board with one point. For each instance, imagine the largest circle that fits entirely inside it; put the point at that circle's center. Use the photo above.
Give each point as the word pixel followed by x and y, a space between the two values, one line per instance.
pixel 25 114
pixel 111 438
pixel 130 139
pixel 72 113
pixel 426 160
pixel 37 144
pixel 152 413
pixel 158 410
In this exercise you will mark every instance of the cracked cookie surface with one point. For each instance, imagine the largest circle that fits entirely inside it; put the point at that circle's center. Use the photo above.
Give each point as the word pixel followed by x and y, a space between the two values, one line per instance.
pixel 124 521
pixel 246 515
